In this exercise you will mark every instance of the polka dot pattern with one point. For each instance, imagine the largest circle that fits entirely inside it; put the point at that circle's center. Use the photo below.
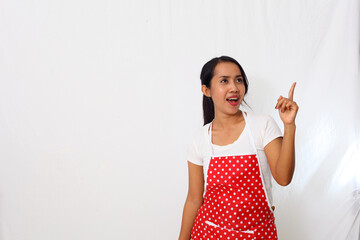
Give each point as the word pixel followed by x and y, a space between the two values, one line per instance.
pixel 235 205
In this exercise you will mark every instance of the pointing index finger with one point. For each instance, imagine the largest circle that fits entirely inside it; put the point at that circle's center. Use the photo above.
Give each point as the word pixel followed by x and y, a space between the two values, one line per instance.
pixel 291 92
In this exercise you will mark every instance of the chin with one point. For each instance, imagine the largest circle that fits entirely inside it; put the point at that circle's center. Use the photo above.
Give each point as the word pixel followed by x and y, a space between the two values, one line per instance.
pixel 233 112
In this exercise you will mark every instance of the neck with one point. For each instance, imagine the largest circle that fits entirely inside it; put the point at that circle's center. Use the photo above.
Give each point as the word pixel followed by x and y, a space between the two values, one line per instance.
pixel 222 121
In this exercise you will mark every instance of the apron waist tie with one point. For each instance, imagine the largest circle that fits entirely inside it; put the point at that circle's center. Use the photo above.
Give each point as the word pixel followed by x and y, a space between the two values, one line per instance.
pixel 249 231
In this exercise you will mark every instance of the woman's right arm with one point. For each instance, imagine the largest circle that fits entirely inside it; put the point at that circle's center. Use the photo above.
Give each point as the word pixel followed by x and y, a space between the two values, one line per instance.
pixel 193 201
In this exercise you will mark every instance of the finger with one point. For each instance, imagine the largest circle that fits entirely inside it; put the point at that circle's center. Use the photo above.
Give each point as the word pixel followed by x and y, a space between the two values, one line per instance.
pixel 291 92
pixel 280 102
pixel 294 106
pixel 289 105
pixel 282 105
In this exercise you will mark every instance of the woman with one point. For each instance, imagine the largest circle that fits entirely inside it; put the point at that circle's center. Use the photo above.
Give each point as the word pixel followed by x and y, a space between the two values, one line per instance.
pixel 232 158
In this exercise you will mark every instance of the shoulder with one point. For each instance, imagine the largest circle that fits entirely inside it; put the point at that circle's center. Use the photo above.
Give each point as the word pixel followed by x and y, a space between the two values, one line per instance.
pixel 259 119
pixel 264 128
pixel 199 135
pixel 197 145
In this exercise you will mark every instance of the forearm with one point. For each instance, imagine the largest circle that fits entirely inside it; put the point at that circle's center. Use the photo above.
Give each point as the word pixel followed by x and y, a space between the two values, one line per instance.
pixel 286 163
pixel 189 214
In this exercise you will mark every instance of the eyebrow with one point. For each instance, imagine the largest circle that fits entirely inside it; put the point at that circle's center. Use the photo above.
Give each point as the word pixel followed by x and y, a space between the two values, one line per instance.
pixel 229 76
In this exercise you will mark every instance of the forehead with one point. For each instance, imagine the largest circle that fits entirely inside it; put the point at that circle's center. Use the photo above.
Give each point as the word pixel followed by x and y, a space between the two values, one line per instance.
pixel 226 69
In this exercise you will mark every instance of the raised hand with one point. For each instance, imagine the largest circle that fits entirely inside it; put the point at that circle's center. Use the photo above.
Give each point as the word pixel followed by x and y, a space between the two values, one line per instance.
pixel 287 107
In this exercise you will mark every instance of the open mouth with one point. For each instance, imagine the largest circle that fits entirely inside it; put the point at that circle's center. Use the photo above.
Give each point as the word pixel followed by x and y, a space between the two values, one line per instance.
pixel 233 101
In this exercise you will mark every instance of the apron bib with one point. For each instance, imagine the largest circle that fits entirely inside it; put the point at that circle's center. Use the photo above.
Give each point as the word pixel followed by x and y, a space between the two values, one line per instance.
pixel 235 204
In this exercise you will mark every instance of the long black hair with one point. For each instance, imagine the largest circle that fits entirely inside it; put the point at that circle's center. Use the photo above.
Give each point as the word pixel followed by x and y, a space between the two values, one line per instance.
pixel 207 73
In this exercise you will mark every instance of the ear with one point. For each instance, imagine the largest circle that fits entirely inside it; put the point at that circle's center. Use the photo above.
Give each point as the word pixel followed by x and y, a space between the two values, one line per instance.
pixel 205 90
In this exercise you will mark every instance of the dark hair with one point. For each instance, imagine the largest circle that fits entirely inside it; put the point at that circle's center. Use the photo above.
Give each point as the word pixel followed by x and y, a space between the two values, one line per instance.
pixel 207 73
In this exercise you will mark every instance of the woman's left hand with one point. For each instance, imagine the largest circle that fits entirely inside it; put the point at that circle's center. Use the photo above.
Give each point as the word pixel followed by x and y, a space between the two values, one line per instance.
pixel 287 107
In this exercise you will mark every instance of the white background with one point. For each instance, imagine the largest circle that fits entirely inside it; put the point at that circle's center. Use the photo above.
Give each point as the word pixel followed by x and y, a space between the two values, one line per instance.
pixel 98 100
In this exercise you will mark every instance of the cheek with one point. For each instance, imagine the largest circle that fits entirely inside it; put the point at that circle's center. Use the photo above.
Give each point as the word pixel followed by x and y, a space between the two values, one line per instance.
pixel 242 89
pixel 218 93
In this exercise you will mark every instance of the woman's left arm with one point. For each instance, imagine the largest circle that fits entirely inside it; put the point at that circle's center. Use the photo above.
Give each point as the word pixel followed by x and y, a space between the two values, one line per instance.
pixel 280 152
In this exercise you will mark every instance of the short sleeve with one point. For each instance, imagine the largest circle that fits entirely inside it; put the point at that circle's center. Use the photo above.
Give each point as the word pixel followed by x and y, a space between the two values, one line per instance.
pixel 271 132
pixel 193 155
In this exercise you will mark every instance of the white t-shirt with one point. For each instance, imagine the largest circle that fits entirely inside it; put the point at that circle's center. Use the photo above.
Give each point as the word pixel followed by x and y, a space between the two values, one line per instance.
pixel 263 128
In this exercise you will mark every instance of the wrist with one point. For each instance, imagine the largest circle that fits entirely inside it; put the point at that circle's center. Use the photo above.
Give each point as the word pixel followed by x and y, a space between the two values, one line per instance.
pixel 288 127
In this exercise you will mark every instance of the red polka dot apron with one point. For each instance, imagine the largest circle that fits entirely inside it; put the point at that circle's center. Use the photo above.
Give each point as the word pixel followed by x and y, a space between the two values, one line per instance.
pixel 235 204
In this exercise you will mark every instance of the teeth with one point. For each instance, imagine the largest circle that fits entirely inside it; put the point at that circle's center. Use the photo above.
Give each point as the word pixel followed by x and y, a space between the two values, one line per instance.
pixel 232 99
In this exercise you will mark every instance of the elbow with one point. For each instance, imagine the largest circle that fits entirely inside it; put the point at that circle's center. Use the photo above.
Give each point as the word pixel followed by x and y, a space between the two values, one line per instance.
pixel 284 182
pixel 284 178
pixel 196 201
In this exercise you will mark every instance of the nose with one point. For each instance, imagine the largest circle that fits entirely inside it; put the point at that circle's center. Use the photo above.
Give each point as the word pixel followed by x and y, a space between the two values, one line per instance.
pixel 233 87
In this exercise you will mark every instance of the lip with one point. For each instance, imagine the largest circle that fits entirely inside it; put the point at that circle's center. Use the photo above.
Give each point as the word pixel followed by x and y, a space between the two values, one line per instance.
pixel 234 96
pixel 234 104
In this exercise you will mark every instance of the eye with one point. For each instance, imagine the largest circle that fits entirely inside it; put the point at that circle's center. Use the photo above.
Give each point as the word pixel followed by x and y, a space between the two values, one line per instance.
pixel 223 80
pixel 240 79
